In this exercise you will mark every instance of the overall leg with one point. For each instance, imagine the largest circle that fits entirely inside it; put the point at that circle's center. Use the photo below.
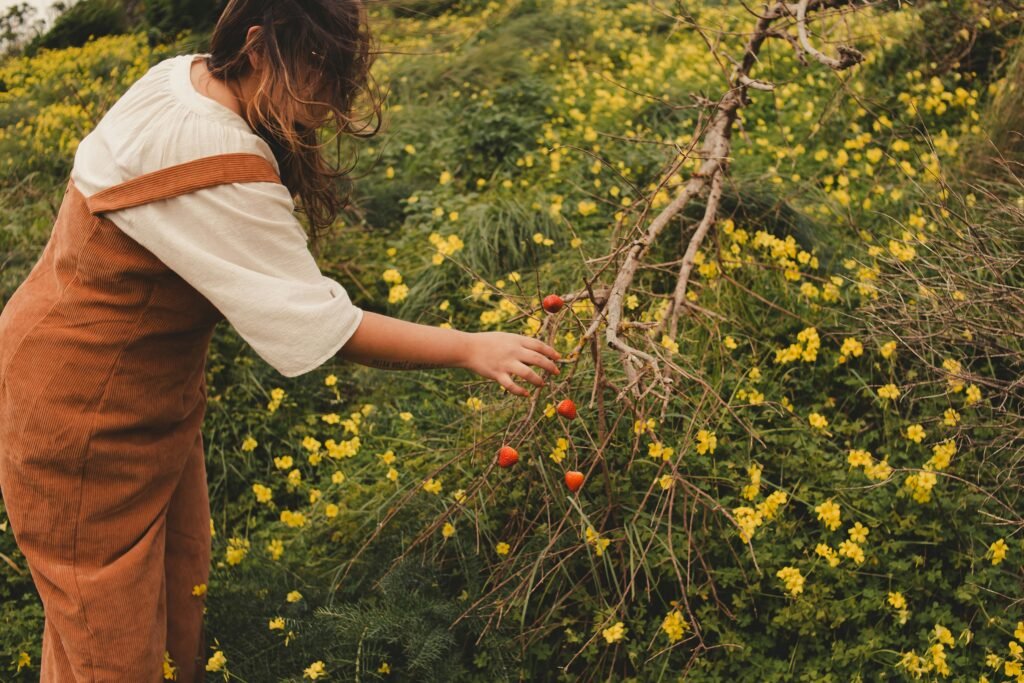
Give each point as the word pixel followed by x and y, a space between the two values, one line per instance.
pixel 187 562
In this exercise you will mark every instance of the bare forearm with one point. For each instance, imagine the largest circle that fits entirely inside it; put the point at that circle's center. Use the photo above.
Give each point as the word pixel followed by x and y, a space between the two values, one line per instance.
pixel 393 344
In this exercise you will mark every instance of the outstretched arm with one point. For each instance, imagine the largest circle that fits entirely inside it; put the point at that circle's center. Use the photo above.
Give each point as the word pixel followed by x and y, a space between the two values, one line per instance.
pixel 384 342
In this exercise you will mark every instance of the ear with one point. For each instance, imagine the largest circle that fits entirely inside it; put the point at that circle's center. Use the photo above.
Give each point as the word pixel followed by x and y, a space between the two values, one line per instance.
pixel 254 59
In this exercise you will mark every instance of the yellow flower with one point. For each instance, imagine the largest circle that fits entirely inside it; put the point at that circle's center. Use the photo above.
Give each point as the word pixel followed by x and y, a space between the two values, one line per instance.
pixel 277 623
pixel 383 668
pixel 998 551
pixel 889 391
pixel 817 420
pixel 405 416
pixel 293 519
pixel 448 529
pixel 851 550
pixel 614 633
pixel 502 548
pixel 666 481
pixel 236 550
pixel 263 494
pixel 474 403
pixel 915 433
pixel 170 671
pixel 887 349
pixel 973 395
pixel 829 513
pixel 586 207
pixel 858 533
pixel 293 596
pixel 459 496
pixel 216 662
pixel 674 625
pixel 897 600
pixel 249 444
pixel 432 485
pixel 595 538
pixel 331 510
pixel 793 580
pixel 828 553
pixel 850 347
pixel 950 417
pixel 275 549
pixel 392 474
pixel 445 178
pixel 199 590
pixel 314 670
pixel 706 441
pixel 656 449
pixel 23 660
pixel 729 343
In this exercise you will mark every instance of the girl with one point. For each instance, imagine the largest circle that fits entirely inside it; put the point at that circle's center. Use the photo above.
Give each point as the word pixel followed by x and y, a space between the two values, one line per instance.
pixel 178 214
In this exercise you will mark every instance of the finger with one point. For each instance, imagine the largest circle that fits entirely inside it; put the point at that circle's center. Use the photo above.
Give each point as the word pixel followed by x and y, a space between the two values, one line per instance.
pixel 505 380
pixel 524 371
pixel 537 358
pixel 541 347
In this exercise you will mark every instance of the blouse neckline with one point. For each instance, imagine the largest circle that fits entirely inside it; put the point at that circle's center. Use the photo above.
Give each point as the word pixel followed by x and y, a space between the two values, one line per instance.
pixel 181 83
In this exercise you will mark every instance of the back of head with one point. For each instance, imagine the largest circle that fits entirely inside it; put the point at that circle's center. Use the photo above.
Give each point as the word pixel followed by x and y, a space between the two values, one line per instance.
pixel 315 58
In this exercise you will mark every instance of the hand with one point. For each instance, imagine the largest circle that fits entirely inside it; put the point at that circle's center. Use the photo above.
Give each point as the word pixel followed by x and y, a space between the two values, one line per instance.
pixel 499 355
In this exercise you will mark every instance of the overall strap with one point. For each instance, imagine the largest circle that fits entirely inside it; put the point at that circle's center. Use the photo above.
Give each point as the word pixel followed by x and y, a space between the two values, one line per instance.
pixel 235 167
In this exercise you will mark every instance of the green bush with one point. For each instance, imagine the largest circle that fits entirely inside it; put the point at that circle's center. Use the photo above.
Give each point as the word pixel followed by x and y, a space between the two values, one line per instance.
pixel 83 21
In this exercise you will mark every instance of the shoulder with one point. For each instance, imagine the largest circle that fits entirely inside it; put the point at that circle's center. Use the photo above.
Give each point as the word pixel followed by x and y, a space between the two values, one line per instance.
pixel 161 121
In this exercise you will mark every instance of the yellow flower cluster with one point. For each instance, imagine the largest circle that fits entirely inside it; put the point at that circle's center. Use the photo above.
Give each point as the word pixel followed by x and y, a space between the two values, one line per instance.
pixel 920 485
pixel 237 550
pixel 674 625
pixel 749 518
pixel 850 347
pixel 445 246
pixel 793 580
pixel 657 449
pixel 432 485
pixel 873 469
pixel 805 348
pixel 751 490
pixel 706 441
pixel 293 519
pixel 558 452
pixel 276 395
pixel 597 541
pixel 829 513
pixel 889 391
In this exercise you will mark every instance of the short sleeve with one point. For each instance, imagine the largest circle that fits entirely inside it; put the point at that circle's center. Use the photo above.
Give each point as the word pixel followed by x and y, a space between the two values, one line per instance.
pixel 241 246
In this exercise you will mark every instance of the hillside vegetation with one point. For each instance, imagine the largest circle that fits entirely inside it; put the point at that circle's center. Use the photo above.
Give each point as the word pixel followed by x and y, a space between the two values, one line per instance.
pixel 828 489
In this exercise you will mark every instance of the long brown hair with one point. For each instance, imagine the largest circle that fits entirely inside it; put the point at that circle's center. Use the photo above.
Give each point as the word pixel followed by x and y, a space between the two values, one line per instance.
pixel 313 52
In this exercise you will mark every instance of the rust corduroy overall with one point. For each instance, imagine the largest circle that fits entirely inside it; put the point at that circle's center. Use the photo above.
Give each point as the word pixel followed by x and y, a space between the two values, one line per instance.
pixel 102 469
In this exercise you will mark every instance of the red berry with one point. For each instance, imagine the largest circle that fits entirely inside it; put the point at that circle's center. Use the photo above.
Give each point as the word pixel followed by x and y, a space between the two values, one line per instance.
pixel 507 456
pixel 552 303
pixel 574 480
pixel 566 408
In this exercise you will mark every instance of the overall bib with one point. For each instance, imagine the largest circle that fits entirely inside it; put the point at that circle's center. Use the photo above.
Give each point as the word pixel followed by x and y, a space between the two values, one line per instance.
pixel 102 469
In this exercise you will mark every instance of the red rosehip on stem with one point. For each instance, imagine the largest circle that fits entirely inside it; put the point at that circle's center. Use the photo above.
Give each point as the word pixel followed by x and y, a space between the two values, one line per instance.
pixel 552 303
pixel 574 480
pixel 566 408
pixel 507 456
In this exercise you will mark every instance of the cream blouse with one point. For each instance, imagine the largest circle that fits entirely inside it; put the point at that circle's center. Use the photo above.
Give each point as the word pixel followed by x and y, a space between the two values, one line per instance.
pixel 238 244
